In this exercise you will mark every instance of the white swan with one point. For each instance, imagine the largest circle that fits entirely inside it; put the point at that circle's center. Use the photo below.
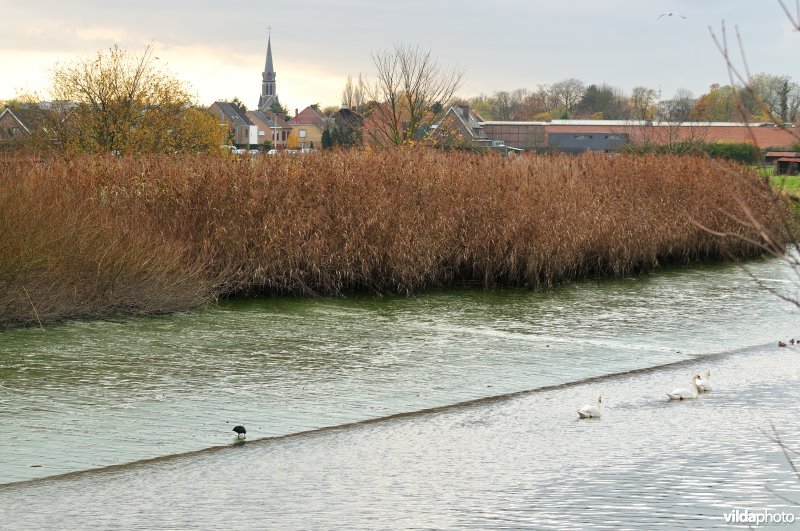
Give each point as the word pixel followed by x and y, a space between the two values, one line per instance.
pixel 683 393
pixel 704 384
pixel 590 411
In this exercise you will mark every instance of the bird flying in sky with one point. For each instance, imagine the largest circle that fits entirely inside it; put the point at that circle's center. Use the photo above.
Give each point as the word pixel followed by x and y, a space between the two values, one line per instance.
pixel 669 14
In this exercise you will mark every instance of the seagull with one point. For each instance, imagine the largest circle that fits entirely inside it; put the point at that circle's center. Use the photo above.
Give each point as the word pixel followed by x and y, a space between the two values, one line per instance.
pixel 240 431
pixel 669 14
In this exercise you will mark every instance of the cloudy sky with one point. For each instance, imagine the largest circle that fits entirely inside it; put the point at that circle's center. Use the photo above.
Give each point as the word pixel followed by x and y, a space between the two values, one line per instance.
pixel 219 47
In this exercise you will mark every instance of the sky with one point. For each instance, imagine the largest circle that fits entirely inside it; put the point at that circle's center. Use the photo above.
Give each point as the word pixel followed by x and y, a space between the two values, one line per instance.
pixel 219 48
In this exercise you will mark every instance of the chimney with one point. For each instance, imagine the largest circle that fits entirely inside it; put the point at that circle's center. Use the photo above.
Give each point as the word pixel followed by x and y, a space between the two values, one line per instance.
pixel 295 111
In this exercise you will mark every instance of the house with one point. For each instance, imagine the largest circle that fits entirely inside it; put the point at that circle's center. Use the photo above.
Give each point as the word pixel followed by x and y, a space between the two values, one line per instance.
pixel 345 117
pixel 242 132
pixel 18 125
pixel 463 128
pixel 344 128
pixel 270 127
pixel 307 127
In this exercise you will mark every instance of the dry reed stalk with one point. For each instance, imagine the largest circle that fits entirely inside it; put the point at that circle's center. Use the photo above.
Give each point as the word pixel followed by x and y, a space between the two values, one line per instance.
pixel 150 234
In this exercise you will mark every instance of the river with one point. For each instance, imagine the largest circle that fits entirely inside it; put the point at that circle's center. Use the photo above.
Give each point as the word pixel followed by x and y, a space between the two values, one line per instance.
pixel 470 398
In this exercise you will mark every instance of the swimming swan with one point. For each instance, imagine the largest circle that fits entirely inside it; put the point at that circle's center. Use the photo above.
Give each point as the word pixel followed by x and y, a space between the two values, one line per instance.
pixel 590 411
pixel 704 384
pixel 684 393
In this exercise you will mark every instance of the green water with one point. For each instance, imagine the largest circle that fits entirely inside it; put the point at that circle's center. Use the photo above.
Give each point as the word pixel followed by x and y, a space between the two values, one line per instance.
pixel 85 395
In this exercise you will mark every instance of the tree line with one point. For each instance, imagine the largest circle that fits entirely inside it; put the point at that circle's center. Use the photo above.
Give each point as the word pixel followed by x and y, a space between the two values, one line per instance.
pixel 572 98
pixel 124 103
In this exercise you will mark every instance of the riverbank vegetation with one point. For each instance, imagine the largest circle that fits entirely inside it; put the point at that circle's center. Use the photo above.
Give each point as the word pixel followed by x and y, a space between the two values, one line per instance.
pixel 102 235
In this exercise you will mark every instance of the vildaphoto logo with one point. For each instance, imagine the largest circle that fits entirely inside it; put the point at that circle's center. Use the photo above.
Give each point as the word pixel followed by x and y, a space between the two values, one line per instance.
pixel 760 517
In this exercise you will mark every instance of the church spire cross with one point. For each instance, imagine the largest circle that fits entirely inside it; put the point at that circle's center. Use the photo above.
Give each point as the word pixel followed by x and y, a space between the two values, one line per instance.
pixel 268 93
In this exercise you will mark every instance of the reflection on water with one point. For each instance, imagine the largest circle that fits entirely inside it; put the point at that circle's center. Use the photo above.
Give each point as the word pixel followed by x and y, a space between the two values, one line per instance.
pixel 525 461
pixel 91 394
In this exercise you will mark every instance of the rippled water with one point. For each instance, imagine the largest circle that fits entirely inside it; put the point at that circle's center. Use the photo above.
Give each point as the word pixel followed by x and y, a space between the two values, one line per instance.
pixel 523 461
pixel 88 395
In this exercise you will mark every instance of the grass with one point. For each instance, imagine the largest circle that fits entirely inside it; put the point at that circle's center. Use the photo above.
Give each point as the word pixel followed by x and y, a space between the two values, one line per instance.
pixel 788 184
pixel 100 236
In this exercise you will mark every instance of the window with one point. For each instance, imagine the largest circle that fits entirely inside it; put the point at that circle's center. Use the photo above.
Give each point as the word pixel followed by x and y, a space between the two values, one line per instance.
pixel 583 137
pixel 302 133
pixel 14 131
pixel 614 137
pixel 261 133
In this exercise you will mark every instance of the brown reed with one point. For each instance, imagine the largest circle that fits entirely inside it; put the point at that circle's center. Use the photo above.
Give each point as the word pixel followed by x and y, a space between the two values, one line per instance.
pixel 99 236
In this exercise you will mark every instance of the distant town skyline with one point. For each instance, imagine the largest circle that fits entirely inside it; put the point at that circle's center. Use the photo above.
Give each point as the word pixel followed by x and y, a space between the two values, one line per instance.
pixel 505 45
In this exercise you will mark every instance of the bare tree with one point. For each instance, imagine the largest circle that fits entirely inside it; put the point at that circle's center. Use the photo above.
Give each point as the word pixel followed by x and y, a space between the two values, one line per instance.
pixel 566 94
pixel 411 88
pixel 353 94
pixel 535 104
pixel 603 101
pixel 774 244
pixel 643 102
pixel 678 108
pixel 503 106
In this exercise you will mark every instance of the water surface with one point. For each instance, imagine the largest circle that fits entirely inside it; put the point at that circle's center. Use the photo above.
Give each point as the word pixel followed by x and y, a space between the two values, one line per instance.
pixel 90 394
pixel 519 462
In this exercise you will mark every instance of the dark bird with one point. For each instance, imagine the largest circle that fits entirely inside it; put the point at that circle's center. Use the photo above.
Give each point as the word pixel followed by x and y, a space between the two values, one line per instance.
pixel 669 14
pixel 240 431
pixel 781 344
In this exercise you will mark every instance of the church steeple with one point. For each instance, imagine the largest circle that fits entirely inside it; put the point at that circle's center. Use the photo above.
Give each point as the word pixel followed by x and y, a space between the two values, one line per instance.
pixel 268 67
pixel 268 94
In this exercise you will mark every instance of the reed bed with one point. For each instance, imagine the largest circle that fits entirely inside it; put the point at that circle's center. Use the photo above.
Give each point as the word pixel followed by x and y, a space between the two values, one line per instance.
pixel 99 236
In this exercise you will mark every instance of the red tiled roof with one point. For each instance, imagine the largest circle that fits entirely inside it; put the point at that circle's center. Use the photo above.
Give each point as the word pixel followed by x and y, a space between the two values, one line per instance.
pixel 781 153
pixel 789 159
pixel 308 116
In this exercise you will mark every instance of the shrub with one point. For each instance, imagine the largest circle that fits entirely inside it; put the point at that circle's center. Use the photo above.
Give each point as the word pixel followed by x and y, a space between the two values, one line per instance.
pixel 740 152
pixel 744 153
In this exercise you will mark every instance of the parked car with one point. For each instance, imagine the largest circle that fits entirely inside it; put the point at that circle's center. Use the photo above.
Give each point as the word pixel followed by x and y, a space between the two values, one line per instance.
pixel 254 152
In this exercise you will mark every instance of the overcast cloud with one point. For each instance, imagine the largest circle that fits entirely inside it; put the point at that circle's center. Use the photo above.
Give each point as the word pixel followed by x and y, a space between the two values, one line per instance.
pixel 219 48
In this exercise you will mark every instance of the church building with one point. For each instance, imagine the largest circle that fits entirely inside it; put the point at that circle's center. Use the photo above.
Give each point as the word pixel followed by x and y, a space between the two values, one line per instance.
pixel 268 94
